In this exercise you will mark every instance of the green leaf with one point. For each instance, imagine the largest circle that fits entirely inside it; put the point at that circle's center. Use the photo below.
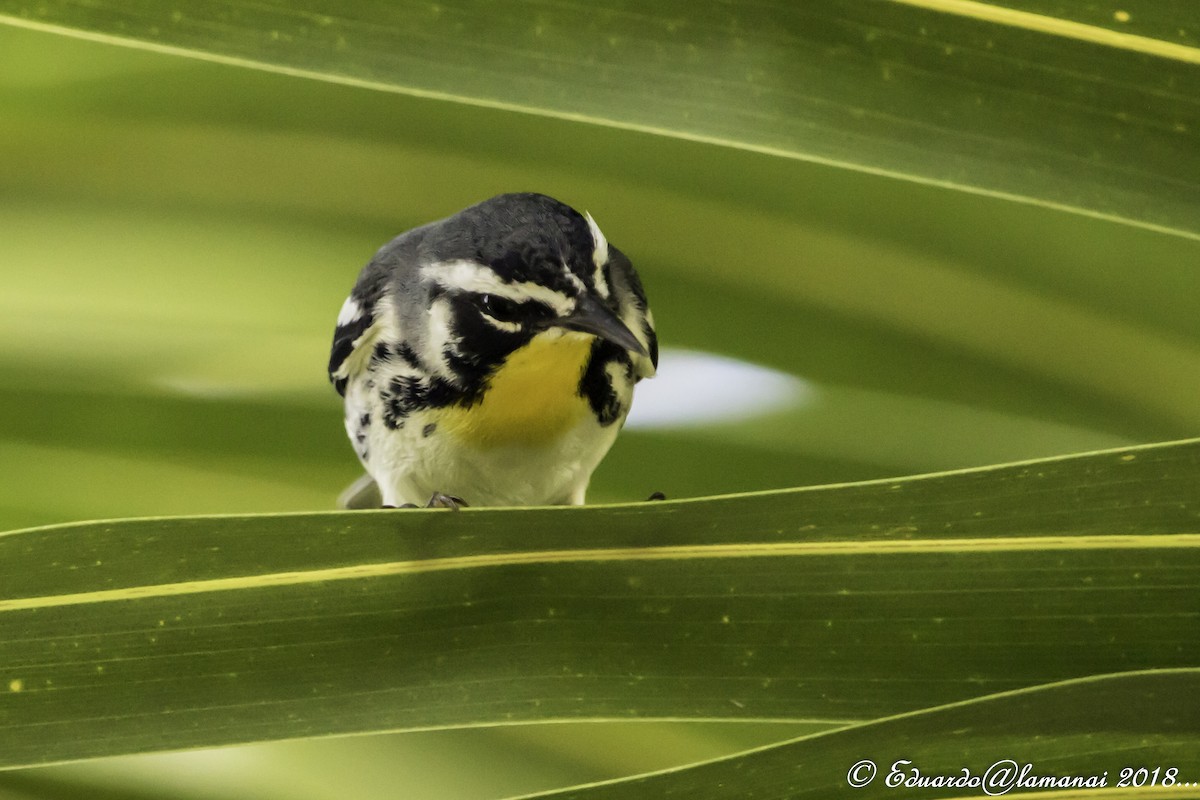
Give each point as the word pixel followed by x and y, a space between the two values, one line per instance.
pixel 1097 113
pixel 178 236
pixel 183 235
pixel 1113 732
pixel 843 603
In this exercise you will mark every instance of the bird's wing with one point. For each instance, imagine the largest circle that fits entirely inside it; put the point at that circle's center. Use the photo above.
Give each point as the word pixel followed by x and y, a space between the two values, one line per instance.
pixel 356 331
pixel 352 335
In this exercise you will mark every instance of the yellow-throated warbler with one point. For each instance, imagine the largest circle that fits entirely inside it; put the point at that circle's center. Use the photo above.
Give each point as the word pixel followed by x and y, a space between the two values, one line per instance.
pixel 491 356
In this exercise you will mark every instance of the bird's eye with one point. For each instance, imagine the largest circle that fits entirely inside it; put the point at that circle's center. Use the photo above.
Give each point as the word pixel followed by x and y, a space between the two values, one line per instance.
pixel 500 308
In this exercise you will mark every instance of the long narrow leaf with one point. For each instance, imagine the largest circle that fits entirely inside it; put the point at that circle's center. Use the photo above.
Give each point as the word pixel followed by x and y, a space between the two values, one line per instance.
pixel 1099 115
pixel 1131 732
pixel 872 599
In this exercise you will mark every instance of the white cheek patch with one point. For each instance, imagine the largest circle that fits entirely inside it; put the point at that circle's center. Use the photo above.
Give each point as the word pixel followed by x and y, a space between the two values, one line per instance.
pixel 351 312
pixel 470 276
pixel 441 335
pixel 599 255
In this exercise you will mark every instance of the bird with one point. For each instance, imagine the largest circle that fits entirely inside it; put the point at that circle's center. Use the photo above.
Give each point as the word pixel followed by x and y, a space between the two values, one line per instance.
pixel 489 358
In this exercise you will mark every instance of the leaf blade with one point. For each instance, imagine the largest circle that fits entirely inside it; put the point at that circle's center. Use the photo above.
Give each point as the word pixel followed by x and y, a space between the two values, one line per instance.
pixel 951 99
pixel 1081 730
pixel 336 623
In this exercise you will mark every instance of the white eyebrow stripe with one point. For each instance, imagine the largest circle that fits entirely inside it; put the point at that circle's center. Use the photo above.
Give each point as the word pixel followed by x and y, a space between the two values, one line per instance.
pixel 470 276
pixel 599 255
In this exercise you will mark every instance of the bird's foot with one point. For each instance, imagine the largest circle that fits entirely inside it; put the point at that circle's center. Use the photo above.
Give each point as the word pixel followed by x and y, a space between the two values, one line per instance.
pixel 655 496
pixel 441 500
pixel 438 500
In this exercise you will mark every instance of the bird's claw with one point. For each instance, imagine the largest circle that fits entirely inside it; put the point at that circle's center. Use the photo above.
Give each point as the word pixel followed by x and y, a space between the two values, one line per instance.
pixel 438 500
pixel 655 496
pixel 441 500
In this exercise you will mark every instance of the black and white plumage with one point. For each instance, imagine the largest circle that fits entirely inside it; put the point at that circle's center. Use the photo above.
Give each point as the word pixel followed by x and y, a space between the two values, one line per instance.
pixel 492 355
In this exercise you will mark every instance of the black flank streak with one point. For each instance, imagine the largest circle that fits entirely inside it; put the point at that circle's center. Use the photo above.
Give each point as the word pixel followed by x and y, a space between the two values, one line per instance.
pixel 398 400
pixel 469 370
pixel 441 393
pixel 407 393
pixel 406 352
pixel 429 429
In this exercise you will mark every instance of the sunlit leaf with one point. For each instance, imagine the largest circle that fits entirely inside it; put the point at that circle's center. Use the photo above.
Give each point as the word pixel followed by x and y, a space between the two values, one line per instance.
pixel 1132 731
pixel 182 235
pixel 1096 112
pixel 178 236
pixel 837 604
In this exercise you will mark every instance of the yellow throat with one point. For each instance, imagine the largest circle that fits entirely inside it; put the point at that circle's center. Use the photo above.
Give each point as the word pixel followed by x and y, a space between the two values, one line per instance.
pixel 533 398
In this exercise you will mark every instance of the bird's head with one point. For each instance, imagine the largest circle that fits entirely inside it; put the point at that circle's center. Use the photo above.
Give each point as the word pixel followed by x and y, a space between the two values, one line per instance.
pixel 521 266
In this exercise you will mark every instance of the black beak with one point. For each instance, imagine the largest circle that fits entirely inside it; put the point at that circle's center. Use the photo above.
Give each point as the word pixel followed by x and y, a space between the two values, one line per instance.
pixel 591 316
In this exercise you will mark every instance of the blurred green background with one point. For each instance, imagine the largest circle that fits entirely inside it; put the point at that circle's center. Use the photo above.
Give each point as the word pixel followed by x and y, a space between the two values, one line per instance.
pixel 176 238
